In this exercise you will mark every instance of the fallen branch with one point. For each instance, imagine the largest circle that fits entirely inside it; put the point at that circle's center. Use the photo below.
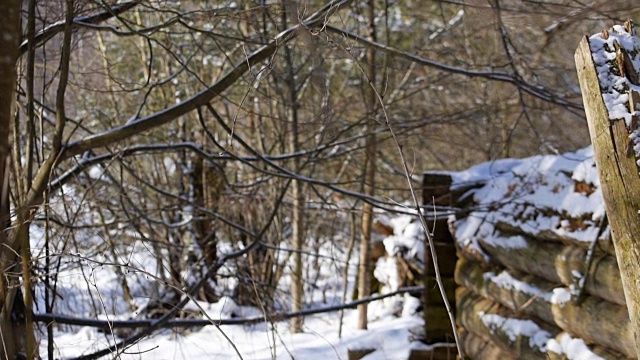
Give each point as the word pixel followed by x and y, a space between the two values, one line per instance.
pixel 177 323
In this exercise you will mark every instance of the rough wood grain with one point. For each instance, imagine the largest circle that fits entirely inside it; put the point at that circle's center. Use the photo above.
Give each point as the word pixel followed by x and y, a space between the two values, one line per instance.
pixel 619 181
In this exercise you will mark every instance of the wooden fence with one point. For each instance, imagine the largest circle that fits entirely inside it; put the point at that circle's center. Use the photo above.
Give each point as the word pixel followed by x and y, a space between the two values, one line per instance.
pixel 526 287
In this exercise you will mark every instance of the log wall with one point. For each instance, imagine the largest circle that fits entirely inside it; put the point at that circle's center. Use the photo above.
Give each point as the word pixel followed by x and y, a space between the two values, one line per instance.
pixel 531 293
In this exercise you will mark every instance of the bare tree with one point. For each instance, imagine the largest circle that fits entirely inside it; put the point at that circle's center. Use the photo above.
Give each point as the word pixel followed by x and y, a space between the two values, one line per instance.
pixel 214 135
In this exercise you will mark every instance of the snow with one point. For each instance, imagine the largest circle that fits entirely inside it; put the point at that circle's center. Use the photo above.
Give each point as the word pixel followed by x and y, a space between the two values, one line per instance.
pixel 573 348
pixel 506 281
pixel 560 296
pixel 408 237
pixel 615 86
pixel 537 195
pixel 93 290
pixel 389 336
pixel 515 328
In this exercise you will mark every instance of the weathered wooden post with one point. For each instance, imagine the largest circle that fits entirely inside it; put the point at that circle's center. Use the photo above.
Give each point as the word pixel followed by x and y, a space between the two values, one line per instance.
pixel 608 78
pixel 436 190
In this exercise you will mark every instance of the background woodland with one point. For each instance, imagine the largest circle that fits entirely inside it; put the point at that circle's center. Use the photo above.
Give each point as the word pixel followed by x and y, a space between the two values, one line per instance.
pixel 233 140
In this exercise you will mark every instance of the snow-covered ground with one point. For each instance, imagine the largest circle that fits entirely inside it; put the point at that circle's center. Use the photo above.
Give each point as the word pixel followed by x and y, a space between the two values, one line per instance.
pixel 389 335
pixel 90 289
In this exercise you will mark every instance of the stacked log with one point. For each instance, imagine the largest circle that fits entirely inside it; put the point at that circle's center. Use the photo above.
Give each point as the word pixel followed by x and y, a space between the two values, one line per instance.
pixel 495 323
pixel 535 280
pixel 593 319
pixel 556 263
pixel 476 347
pixel 533 300
pixel 536 269
pixel 597 322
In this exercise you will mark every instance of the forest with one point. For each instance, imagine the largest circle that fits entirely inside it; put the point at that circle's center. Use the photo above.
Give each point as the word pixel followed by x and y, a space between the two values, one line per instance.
pixel 199 173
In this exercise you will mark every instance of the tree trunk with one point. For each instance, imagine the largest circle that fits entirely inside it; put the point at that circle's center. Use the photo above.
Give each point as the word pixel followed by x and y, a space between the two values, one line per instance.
pixel 364 273
pixel 13 334
pixel 297 218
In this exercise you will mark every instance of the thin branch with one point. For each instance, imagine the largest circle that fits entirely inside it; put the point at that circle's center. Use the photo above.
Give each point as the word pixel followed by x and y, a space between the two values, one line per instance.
pixel 534 90
pixel 50 31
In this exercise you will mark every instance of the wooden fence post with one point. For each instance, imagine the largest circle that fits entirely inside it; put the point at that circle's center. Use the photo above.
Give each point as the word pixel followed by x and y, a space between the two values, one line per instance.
pixel 436 190
pixel 617 169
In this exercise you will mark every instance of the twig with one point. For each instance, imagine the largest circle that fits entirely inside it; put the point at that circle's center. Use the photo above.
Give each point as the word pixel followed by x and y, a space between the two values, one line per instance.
pixel 604 222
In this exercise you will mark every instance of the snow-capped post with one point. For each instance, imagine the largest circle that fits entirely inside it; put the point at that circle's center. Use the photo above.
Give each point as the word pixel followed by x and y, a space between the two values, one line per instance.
pixel 607 65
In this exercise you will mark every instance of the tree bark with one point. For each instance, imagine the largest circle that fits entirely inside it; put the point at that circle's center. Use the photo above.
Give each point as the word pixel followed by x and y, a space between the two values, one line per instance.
pixel 13 340
pixel 364 272
pixel 297 216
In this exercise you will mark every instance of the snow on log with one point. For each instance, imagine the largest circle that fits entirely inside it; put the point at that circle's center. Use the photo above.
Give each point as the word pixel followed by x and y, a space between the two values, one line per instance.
pixel 522 338
pixel 556 263
pixel 565 347
pixel 554 234
pixel 593 319
pixel 594 322
pixel 477 348
pixel 517 291
pixel 551 197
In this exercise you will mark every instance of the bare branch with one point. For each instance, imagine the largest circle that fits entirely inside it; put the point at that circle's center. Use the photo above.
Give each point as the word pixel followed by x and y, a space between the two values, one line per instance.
pixel 536 91
pixel 50 31
pixel 203 97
